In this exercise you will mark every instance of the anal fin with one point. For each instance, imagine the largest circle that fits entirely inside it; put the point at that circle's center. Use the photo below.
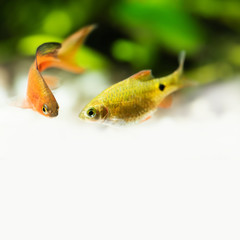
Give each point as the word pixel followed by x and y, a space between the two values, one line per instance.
pixel 147 118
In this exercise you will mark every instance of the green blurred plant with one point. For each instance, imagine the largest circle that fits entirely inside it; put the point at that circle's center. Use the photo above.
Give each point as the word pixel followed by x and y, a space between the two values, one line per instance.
pixel 136 32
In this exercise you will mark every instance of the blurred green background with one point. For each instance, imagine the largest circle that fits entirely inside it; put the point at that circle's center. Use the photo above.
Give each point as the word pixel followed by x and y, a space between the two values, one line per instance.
pixel 132 35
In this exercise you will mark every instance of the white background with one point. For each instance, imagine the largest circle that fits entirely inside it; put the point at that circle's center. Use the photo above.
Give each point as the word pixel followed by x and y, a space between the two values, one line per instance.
pixel 176 176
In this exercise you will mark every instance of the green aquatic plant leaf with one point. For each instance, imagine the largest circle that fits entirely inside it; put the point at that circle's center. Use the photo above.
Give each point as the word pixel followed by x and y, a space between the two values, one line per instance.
pixel 168 25
pixel 28 45
pixel 138 55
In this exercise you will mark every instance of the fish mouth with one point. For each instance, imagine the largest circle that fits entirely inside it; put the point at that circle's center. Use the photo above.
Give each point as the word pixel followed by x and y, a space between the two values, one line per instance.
pixel 81 115
pixel 53 114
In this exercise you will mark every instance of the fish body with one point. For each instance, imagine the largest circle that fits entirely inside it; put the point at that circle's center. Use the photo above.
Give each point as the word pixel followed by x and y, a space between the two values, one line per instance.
pixel 134 99
pixel 39 96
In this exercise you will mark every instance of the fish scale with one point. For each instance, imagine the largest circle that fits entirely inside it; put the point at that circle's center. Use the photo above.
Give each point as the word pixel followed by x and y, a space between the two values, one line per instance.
pixel 133 101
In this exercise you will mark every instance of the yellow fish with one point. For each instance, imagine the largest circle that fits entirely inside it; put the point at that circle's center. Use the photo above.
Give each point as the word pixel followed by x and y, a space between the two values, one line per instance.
pixel 134 99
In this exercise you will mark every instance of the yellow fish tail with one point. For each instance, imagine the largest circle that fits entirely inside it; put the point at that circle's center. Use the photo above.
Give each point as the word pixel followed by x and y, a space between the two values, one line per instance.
pixel 181 60
pixel 184 82
pixel 181 80
pixel 175 79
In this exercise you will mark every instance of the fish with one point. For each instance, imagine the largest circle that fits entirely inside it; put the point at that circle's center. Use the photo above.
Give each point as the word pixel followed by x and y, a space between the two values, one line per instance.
pixel 39 96
pixel 134 99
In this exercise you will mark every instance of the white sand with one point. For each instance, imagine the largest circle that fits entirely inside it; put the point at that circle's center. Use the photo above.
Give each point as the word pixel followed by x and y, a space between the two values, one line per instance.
pixel 175 176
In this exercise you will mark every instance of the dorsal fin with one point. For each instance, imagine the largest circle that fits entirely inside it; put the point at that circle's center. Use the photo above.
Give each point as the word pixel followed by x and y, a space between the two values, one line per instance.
pixel 142 75
pixel 46 52
pixel 48 48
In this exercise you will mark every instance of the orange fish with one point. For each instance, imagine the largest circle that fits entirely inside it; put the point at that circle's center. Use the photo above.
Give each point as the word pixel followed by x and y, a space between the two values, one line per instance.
pixel 39 96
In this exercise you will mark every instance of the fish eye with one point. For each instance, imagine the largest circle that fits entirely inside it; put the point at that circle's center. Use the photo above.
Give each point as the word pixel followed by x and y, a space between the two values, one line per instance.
pixel 45 109
pixel 91 112
pixel 161 86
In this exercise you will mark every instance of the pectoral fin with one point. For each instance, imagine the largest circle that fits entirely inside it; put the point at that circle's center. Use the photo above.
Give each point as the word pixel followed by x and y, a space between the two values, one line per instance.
pixel 21 103
pixel 167 102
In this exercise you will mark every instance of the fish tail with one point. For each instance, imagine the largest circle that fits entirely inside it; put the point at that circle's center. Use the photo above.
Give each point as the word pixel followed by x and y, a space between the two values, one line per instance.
pixel 67 53
pixel 181 60
pixel 62 55
pixel 176 77
pixel 184 82
pixel 179 78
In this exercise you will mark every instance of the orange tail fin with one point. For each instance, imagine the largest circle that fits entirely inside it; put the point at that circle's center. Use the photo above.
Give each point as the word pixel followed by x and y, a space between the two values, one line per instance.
pixel 62 55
